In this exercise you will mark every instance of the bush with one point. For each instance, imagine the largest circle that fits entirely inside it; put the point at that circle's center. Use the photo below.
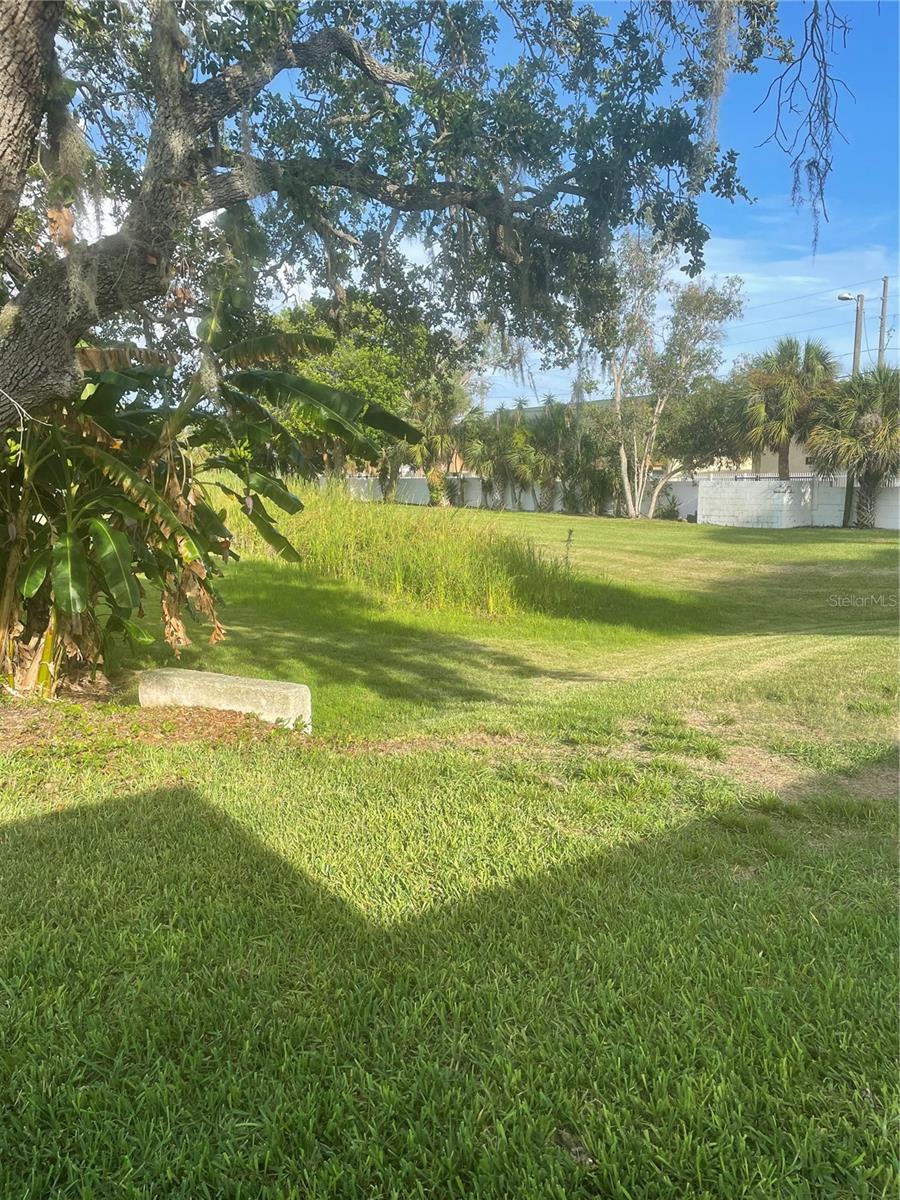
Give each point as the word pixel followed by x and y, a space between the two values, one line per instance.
pixel 667 509
pixel 442 558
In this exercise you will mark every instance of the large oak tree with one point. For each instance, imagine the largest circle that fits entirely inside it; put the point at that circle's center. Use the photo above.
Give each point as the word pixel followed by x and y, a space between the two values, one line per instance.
pixel 516 137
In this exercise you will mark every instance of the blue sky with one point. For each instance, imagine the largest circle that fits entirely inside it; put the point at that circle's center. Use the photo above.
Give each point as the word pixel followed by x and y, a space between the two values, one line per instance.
pixel 788 287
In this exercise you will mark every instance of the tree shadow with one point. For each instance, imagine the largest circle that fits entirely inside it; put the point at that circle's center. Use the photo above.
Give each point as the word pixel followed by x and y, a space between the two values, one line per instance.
pixel 284 624
pixel 185 1014
pixel 345 637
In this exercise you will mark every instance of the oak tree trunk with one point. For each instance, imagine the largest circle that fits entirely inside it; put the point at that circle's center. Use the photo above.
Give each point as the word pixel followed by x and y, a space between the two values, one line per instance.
pixel 27 31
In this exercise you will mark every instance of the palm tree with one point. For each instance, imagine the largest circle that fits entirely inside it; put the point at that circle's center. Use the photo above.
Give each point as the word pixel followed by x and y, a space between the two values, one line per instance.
pixel 440 414
pixel 477 454
pixel 550 433
pixel 857 430
pixel 783 385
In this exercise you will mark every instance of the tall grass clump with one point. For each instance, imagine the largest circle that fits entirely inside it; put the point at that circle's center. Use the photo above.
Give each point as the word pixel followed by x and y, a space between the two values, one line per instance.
pixel 441 558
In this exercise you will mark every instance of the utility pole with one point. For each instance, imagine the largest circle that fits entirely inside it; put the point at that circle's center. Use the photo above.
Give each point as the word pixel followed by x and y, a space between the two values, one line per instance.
pixel 858 332
pixel 882 331
pixel 857 348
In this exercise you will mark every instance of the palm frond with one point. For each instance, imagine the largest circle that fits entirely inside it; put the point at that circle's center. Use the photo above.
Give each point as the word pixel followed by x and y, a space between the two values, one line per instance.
pixel 120 356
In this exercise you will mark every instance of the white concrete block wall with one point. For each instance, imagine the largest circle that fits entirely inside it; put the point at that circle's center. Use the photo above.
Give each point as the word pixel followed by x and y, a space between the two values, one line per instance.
pixel 685 492
pixel 828 504
pixel 472 492
pixel 779 504
pixel 410 490
pixel 756 504
pixel 887 508
pixel 796 504
pixel 363 487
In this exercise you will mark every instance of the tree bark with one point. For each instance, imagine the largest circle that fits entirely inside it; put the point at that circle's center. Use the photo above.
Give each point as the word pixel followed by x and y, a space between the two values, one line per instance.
pixel 40 328
pixel 27 32
pixel 784 460
pixel 626 482
pixel 865 503
pixel 848 501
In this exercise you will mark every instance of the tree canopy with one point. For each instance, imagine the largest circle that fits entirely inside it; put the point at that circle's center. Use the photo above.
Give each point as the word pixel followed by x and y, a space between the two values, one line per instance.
pixel 515 139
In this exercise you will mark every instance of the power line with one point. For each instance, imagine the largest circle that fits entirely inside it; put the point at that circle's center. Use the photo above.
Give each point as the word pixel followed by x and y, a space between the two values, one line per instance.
pixel 767 337
pixel 810 295
pixel 782 317
pixel 799 332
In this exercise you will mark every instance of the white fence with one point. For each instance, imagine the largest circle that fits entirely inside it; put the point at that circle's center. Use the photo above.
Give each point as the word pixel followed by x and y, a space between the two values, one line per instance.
pixel 784 504
pixel 413 489
pixel 710 500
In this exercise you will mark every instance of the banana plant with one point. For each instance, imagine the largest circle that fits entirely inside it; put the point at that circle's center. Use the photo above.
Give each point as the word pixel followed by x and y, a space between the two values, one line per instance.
pixel 118 495
pixel 117 499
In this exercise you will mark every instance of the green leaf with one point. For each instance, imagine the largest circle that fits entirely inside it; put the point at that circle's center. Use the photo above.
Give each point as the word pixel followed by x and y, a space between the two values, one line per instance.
pixel 124 507
pixel 252 508
pixel 329 408
pixel 113 550
pixel 257 481
pixel 33 573
pixel 61 190
pixel 270 535
pixel 104 389
pixel 260 417
pixel 137 633
pixel 69 573
pixel 148 499
pixel 377 417
pixel 275 491
pixel 210 522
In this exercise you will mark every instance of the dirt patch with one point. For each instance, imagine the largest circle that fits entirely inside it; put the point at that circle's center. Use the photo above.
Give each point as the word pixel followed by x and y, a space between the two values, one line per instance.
pixel 755 768
pixel 752 767
pixel 26 725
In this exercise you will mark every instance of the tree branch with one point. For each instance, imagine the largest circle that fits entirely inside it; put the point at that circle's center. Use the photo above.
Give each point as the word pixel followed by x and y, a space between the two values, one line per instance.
pixel 258 177
pixel 227 93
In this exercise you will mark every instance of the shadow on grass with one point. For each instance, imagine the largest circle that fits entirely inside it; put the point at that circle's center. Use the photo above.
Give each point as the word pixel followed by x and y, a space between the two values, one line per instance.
pixel 280 621
pixel 284 624
pixel 186 1015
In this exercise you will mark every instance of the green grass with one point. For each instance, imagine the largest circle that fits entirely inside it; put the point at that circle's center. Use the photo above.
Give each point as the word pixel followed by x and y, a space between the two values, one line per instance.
pixel 549 906
pixel 446 559
pixel 669 734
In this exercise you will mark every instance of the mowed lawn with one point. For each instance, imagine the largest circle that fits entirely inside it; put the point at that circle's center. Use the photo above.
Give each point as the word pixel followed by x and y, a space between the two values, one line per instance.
pixel 549 906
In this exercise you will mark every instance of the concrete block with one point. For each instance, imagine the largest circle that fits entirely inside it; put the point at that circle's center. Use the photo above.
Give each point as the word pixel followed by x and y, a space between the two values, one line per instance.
pixel 278 703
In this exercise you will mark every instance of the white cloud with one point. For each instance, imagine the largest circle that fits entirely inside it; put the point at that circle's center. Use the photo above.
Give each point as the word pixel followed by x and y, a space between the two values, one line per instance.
pixel 794 291
pixel 788 289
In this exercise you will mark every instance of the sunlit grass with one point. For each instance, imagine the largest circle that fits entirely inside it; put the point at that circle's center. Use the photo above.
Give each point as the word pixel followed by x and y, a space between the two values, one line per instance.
pixel 443 559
